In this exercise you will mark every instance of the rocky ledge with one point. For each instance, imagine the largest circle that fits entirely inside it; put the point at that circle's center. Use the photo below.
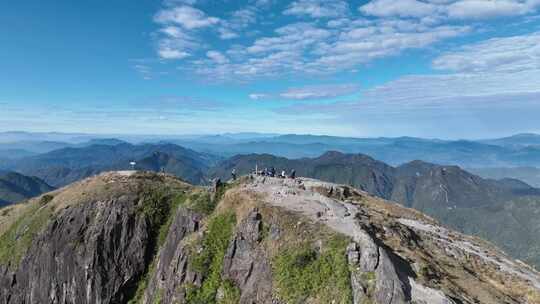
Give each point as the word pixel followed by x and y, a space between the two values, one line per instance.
pixel 131 237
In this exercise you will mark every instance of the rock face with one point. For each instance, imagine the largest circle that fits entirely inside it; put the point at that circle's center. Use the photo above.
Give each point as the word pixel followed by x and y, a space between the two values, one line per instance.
pixel 94 251
pixel 500 211
pixel 88 254
pixel 247 264
pixel 144 238
pixel 172 266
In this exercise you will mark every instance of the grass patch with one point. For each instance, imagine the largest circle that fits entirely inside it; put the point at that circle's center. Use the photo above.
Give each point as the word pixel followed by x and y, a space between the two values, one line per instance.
pixel 302 272
pixel 45 199
pixel 201 202
pixel 369 279
pixel 19 236
pixel 159 297
pixel 179 199
pixel 210 260
pixel 159 207
pixel 142 284
pixel 231 293
pixel 220 192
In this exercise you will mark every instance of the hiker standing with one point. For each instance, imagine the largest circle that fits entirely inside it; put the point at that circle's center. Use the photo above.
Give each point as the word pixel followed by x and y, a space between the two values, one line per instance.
pixel 233 174
pixel 293 174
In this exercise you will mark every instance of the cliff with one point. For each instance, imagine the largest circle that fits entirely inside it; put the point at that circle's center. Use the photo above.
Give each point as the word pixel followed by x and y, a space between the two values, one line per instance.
pixel 129 237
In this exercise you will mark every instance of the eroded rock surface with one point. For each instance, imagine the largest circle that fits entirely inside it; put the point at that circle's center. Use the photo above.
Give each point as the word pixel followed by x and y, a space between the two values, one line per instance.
pixel 103 249
pixel 90 253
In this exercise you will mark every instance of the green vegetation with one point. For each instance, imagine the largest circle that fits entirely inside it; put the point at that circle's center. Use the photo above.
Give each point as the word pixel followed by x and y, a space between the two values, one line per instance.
pixel 231 293
pixel 178 200
pixel 302 272
pixel 220 192
pixel 200 202
pixel 142 284
pixel 47 198
pixel 158 206
pixel 210 260
pixel 19 236
pixel 369 279
pixel 158 299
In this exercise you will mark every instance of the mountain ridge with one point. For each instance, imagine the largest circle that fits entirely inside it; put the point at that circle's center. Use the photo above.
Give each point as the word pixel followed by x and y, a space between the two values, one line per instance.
pixel 263 240
pixel 456 198
pixel 66 165
pixel 15 187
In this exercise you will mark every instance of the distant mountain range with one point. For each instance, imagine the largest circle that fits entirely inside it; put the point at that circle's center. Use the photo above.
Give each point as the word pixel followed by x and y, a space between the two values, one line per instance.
pixel 518 140
pixel 519 150
pixel 66 165
pixel 514 151
pixel 502 211
pixel 15 187
pixel 530 175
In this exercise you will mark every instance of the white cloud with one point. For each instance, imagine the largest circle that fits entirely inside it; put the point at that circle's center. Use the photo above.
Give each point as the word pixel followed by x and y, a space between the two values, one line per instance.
pixel 291 37
pixel 170 53
pixel 493 81
pixel 402 8
pixel 317 8
pixel 464 90
pixel 244 17
pixel 176 40
pixel 474 9
pixel 449 105
pixel 258 96
pixel 364 44
pixel 341 43
pixel 304 48
pixel 186 16
pixel 217 57
pixel 320 92
pixel 508 54
pixel 238 21
pixel 313 92
pixel 449 9
pixel 176 44
pixel 177 2
pixel 226 34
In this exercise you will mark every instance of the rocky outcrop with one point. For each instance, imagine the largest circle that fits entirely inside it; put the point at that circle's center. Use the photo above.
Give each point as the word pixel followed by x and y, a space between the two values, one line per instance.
pixel 247 264
pixel 91 253
pixel 172 270
pixel 270 240
pixel 390 242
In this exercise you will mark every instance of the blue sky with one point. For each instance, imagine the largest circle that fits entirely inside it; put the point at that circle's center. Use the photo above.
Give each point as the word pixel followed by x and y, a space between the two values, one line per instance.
pixel 431 68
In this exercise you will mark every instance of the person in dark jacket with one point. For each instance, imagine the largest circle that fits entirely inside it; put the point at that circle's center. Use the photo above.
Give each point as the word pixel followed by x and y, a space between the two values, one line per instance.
pixel 293 174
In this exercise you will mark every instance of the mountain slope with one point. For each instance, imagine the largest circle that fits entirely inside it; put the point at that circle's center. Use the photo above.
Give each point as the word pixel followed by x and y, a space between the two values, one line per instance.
pixel 518 140
pixel 416 182
pixel 64 166
pixel 394 151
pixel 148 238
pixel 529 175
pixel 182 167
pixel 15 187
pixel 453 196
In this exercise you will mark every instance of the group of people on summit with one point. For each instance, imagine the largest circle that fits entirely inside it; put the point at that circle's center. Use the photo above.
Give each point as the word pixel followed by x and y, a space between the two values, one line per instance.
pixel 272 173
pixel 268 172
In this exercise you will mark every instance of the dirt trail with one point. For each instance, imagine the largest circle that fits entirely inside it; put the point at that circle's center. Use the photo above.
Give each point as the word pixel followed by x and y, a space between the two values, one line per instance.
pixel 288 194
pixel 301 196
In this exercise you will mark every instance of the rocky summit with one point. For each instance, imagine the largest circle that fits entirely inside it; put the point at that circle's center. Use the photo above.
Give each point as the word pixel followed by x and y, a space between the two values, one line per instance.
pixel 137 237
